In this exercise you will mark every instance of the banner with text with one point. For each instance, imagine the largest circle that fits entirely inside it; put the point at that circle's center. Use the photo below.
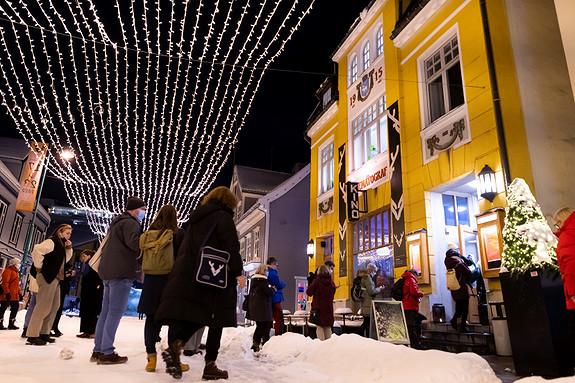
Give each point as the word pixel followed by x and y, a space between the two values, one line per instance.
pixel 342 229
pixel 31 177
pixel 396 183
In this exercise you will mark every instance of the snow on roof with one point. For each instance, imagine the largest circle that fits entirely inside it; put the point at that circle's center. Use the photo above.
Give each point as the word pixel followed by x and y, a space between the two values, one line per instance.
pixel 259 181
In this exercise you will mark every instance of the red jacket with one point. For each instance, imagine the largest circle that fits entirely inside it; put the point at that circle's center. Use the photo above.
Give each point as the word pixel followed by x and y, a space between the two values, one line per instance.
pixel 10 283
pixel 566 258
pixel 411 293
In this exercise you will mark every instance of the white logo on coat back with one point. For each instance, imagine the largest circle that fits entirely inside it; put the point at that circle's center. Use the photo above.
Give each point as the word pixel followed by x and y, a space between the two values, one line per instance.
pixel 214 271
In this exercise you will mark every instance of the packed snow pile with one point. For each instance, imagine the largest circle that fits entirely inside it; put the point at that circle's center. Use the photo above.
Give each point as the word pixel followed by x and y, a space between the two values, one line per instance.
pixel 284 359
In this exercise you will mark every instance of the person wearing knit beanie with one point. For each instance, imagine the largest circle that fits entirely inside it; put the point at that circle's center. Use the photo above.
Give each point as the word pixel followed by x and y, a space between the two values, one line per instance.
pixel 133 203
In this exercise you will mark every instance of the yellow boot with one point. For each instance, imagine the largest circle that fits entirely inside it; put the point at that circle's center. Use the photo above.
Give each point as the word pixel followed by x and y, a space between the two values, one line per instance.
pixel 151 366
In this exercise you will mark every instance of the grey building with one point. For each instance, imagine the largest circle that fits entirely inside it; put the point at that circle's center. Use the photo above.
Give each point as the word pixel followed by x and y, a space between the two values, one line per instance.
pixel 14 224
pixel 276 224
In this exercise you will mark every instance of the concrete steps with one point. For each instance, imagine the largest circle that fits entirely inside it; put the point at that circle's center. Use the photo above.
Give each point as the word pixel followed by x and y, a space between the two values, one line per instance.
pixel 441 336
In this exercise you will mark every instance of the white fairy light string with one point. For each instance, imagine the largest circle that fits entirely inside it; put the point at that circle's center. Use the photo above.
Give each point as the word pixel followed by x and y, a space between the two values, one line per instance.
pixel 150 99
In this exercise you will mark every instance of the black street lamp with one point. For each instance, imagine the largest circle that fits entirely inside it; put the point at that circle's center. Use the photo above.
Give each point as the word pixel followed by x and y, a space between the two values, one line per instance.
pixel 487 183
pixel 310 248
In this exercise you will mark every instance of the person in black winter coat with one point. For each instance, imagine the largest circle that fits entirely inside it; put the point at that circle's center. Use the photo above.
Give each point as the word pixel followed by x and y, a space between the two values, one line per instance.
pixel 91 293
pixel 260 305
pixel 453 260
pixel 188 305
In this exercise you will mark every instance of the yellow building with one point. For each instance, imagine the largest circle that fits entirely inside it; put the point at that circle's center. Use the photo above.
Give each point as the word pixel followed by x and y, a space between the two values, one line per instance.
pixel 429 92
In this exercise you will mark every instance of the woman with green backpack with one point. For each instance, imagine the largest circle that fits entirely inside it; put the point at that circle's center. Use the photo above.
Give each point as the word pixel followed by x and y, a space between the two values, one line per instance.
pixel 158 249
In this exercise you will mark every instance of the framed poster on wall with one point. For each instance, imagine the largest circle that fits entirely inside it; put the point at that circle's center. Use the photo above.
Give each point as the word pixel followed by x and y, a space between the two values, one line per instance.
pixel 388 322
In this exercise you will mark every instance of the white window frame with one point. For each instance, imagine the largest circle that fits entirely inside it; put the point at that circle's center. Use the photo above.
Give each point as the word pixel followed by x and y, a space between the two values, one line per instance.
pixel 243 248
pixel 16 228
pixel 249 248
pixel 379 40
pixel 321 164
pixel 352 70
pixel 3 213
pixel 365 56
pixel 423 83
pixel 256 243
pixel 374 115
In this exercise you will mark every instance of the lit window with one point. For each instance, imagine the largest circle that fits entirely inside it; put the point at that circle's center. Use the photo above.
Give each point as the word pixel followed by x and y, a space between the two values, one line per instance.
pixel 366 56
pixel 379 41
pixel 371 233
pixel 256 242
pixel 443 80
pixel 369 133
pixel 249 248
pixel 352 72
pixel 16 228
pixel 456 210
pixel 327 170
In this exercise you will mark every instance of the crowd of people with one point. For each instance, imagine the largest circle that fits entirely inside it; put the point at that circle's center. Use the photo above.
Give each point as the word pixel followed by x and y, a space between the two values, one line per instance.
pixel 190 281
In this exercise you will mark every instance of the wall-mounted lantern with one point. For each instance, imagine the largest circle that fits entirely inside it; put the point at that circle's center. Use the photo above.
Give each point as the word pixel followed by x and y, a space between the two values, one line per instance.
pixel 311 248
pixel 487 183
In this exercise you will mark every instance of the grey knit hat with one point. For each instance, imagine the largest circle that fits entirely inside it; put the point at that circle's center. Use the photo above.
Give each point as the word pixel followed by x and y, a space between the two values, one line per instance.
pixel 133 203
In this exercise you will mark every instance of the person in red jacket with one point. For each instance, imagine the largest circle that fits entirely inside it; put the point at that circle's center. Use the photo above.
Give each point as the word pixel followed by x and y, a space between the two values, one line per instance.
pixel 411 298
pixel 323 290
pixel 564 221
pixel 11 287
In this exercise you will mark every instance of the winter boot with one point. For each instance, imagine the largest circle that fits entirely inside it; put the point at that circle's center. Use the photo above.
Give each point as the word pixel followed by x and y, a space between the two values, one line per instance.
pixel 36 341
pixel 256 346
pixel 171 357
pixel 12 325
pixel 151 366
pixel 2 325
pixel 24 332
pixel 212 372
pixel 184 367
pixel 46 338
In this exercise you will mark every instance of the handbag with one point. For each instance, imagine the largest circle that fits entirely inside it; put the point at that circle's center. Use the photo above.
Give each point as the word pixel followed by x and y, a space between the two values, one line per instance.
pixel 94 262
pixel 314 316
pixel 213 264
pixel 451 279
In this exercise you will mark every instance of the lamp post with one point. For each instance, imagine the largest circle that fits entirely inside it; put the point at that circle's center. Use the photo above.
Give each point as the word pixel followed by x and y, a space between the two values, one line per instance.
pixel 487 183
pixel 310 248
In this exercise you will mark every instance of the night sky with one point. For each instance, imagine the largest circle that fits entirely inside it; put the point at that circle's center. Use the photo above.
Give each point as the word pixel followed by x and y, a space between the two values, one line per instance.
pixel 273 134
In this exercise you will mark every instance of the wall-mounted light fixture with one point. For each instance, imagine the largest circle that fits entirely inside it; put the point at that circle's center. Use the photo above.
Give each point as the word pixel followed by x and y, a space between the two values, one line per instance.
pixel 487 183
pixel 310 248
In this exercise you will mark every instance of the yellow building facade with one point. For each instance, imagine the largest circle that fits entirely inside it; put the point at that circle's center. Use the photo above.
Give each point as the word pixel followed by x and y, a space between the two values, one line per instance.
pixel 458 85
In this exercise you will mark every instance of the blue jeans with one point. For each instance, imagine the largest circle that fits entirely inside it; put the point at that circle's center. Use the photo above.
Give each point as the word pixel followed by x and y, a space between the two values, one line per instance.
pixel 116 294
pixel 30 309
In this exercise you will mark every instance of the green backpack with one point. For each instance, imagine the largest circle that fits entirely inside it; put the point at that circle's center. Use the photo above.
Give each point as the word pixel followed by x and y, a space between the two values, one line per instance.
pixel 157 251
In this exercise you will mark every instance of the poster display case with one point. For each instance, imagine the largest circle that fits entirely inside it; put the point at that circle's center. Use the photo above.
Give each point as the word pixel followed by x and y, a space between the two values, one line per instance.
pixel 417 254
pixel 490 227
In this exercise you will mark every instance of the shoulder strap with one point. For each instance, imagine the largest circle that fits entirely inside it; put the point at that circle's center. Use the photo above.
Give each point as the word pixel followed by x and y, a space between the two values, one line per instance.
pixel 211 231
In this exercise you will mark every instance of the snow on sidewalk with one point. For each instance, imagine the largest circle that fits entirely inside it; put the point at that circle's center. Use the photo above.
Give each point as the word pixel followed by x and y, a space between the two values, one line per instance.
pixel 287 358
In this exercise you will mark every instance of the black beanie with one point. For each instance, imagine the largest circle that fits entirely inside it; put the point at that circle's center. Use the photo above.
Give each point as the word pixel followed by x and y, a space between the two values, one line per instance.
pixel 133 203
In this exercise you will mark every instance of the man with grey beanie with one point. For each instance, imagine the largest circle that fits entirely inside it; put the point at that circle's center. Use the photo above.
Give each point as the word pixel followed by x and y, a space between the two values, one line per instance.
pixel 118 268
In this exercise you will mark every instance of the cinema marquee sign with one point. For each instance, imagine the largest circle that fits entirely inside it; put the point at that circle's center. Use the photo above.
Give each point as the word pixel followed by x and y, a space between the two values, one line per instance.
pixel 372 175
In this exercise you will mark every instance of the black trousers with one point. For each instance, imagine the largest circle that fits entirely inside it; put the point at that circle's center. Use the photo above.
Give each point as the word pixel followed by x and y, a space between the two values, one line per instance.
pixel 413 320
pixel 571 335
pixel 184 330
pixel 260 335
pixel 88 323
pixel 14 306
pixel 364 328
pixel 461 311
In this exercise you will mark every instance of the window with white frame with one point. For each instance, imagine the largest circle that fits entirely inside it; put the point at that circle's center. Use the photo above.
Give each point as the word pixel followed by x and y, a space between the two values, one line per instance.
pixel 379 41
pixel 256 242
pixel 365 56
pixel 370 133
pixel 352 72
pixel 16 228
pixel 243 248
pixel 3 212
pixel 327 168
pixel 249 248
pixel 444 83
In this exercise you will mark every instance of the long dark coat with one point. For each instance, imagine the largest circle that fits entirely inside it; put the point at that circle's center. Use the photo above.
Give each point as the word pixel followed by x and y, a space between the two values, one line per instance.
pixel 260 299
pixel 323 290
pixel 91 294
pixel 154 285
pixel 184 299
pixel 454 261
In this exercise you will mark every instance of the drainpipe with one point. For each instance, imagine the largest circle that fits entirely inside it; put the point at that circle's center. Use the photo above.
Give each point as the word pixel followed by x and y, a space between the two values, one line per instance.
pixel 495 95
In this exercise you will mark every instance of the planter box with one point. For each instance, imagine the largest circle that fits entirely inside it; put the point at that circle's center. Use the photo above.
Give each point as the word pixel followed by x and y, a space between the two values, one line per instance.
pixel 537 321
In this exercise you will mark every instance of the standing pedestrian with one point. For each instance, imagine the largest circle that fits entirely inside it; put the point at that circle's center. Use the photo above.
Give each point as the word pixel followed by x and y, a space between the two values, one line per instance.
pixel 118 268
pixel 453 260
pixel 564 221
pixel 322 289
pixel 49 257
pixel 188 304
pixel 64 290
pixel 11 287
pixel 278 296
pixel 32 292
pixel 159 246
pixel 260 306
pixel 368 285
pixel 411 297
pixel 91 295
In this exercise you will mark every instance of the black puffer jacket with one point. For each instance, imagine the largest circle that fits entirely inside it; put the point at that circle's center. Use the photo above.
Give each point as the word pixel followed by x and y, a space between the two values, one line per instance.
pixel 184 299
pixel 260 301
pixel 122 249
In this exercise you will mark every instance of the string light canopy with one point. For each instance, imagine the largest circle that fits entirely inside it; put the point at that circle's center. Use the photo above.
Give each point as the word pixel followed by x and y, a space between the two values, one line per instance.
pixel 148 96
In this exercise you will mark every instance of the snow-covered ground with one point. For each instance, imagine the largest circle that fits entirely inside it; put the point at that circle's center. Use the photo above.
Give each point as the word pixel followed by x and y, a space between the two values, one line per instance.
pixel 284 359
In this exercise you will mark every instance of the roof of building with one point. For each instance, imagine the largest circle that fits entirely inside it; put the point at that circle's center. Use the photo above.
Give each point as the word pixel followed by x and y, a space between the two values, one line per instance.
pixel 259 181
pixel 13 148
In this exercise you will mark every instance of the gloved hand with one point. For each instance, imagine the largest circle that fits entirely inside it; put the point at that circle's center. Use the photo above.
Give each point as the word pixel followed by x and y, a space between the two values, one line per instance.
pixel 8 297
